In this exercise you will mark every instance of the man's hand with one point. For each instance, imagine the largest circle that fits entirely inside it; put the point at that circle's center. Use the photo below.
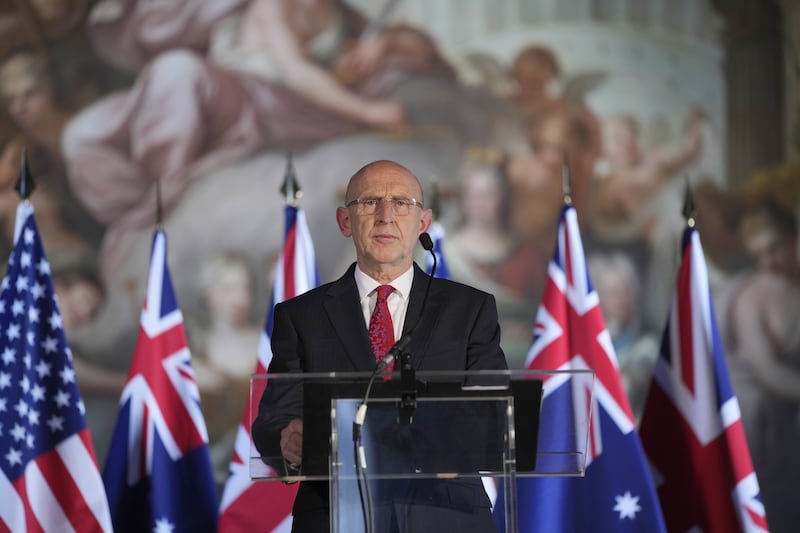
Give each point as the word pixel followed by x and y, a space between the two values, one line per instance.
pixel 292 442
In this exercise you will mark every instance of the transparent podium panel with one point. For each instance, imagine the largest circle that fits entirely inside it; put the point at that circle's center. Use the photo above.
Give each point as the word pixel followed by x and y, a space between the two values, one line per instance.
pixel 378 439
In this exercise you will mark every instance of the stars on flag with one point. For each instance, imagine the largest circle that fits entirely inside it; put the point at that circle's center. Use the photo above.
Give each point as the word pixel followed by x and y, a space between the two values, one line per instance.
pixel 36 388
pixel 163 525
pixel 627 506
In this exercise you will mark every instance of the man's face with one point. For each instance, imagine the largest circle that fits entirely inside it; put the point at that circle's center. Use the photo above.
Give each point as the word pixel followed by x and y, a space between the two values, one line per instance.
pixel 384 240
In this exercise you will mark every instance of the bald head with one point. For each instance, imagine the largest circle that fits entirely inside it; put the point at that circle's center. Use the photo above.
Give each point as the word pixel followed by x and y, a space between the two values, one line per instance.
pixel 379 167
pixel 384 236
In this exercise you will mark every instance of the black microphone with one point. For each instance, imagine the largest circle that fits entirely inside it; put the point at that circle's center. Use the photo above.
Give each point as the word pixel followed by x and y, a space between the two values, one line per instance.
pixel 408 376
pixel 398 347
pixel 406 371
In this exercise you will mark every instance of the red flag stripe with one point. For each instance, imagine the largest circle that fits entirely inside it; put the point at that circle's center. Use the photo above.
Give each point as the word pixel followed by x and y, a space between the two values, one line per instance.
pixel 288 262
pixel 685 314
pixel 31 522
pixel 67 492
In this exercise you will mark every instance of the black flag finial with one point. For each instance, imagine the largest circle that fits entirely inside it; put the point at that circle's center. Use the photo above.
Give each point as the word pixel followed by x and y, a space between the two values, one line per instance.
pixel 25 184
pixel 290 188
pixel 688 205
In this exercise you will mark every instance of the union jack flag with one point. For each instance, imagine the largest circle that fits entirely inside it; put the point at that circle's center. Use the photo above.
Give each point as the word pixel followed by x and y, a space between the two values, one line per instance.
pixel 158 474
pixel 617 493
pixel 49 479
pixel 691 427
pixel 247 505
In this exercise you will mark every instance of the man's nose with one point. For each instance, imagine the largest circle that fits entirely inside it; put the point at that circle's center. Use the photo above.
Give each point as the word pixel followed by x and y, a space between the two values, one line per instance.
pixel 385 210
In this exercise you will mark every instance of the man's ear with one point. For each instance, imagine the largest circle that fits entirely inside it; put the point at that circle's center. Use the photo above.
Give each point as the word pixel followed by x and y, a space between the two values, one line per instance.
pixel 425 220
pixel 343 219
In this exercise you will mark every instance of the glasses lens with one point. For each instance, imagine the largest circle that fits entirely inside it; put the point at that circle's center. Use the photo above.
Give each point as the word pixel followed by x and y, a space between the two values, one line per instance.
pixel 400 206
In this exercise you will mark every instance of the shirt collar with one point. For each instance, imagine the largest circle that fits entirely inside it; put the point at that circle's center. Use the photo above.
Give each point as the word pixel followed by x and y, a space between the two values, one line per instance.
pixel 401 284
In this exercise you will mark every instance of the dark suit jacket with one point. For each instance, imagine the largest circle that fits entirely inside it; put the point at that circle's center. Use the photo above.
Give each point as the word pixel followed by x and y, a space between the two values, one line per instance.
pixel 323 330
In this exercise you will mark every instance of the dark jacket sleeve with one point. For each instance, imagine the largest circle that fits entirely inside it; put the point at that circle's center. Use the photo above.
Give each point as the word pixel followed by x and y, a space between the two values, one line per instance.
pixel 282 400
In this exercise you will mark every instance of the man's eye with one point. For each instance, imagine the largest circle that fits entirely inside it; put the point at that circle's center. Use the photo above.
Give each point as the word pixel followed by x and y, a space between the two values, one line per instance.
pixel 371 202
pixel 399 202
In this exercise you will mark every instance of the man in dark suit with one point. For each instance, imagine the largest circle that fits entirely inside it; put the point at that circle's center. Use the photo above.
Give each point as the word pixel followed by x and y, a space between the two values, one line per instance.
pixel 326 329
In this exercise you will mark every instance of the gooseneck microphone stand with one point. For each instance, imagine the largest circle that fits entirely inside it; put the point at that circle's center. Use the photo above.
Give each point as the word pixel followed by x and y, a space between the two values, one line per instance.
pixel 408 398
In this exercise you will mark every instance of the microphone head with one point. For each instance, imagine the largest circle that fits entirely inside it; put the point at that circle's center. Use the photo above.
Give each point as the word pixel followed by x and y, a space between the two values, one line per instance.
pixel 426 241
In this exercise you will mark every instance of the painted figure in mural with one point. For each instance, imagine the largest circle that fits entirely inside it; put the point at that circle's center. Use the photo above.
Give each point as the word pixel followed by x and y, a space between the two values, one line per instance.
pixel 535 71
pixel 618 286
pixel 560 137
pixel 80 293
pixel 627 178
pixel 224 348
pixel 561 130
pixel 482 251
pixel 637 192
pixel 37 115
pixel 222 80
pixel 765 338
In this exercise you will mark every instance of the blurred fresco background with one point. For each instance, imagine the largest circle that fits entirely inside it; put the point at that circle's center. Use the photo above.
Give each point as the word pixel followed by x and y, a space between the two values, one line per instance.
pixel 483 99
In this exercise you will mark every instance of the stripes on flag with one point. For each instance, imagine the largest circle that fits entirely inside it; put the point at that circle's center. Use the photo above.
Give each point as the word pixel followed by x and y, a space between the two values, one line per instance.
pixel 158 473
pixel 266 506
pixel 691 426
pixel 49 478
pixel 616 492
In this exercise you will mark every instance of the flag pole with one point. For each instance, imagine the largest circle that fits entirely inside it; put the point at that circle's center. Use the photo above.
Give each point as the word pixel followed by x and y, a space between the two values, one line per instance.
pixel 159 207
pixel 25 183
pixel 290 188
pixel 566 182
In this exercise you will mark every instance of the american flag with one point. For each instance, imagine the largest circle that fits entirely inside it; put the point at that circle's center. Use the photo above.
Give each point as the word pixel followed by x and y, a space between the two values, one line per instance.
pixel 158 473
pixel 49 479
pixel 691 427
pixel 266 506
pixel 617 492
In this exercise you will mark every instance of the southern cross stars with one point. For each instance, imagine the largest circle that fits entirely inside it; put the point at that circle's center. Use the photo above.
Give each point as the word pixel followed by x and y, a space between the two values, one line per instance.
pixel 627 506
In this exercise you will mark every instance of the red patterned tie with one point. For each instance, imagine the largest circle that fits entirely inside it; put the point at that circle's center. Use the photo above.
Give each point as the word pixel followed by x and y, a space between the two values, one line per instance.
pixel 381 329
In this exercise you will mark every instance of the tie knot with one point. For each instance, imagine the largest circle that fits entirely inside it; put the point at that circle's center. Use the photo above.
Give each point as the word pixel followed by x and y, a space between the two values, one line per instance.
pixel 384 291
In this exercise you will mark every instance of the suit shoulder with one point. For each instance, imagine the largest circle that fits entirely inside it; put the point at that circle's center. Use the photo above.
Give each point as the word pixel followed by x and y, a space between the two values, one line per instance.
pixel 303 300
pixel 456 287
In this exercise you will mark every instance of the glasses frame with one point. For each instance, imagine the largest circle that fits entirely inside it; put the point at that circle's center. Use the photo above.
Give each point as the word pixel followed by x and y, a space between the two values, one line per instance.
pixel 364 208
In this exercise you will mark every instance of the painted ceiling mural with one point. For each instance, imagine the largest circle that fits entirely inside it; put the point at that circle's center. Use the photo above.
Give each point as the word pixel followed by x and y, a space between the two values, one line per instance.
pixel 197 103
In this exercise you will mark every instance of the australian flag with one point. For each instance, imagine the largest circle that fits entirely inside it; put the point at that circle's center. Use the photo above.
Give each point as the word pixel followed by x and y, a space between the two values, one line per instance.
pixel 249 505
pixel 49 479
pixel 616 493
pixel 692 427
pixel 158 476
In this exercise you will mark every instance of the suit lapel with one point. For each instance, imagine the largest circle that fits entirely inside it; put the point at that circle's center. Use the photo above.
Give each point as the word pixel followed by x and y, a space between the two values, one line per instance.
pixel 344 311
pixel 420 337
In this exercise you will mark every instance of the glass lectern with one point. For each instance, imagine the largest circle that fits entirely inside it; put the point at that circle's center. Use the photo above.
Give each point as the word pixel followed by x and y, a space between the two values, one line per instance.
pixel 366 435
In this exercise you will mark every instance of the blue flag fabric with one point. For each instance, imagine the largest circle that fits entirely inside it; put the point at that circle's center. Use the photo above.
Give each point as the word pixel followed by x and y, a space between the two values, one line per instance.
pixel 49 479
pixel 617 493
pixel 158 473
pixel 436 231
pixel 692 426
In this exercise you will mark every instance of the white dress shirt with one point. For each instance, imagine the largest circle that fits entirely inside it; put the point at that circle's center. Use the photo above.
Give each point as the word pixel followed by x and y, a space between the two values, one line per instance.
pixel 397 301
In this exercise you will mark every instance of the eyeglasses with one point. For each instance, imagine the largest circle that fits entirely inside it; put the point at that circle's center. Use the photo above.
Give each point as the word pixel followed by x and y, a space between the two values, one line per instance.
pixel 369 206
